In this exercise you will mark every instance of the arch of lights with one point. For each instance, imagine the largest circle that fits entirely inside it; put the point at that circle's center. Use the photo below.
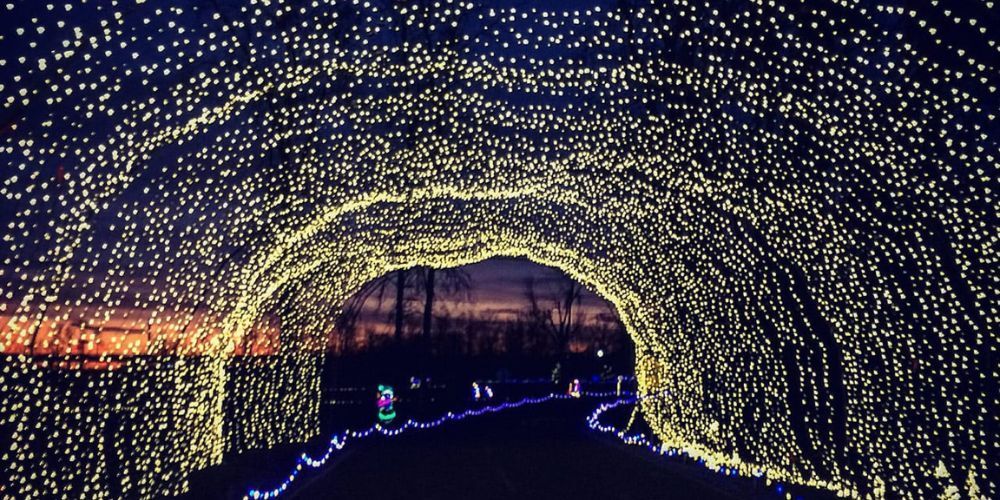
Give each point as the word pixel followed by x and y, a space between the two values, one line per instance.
pixel 791 204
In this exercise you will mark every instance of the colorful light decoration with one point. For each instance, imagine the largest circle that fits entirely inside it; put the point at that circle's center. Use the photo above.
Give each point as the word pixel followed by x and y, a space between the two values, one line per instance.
pixel 791 204
pixel 641 440
pixel 481 392
pixel 574 388
pixel 339 441
pixel 386 404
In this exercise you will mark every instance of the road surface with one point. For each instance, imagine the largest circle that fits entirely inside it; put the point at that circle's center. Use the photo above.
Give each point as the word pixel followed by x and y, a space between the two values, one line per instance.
pixel 541 452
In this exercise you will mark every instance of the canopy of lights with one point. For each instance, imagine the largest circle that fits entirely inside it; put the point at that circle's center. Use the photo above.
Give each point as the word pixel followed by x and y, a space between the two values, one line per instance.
pixel 792 204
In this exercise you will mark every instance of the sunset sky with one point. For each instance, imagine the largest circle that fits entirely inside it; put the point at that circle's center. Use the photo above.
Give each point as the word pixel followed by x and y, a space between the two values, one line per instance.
pixel 498 289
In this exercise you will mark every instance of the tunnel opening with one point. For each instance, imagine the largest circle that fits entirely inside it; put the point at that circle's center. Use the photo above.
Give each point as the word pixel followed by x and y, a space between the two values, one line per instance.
pixel 511 325
pixel 346 340
pixel 498 322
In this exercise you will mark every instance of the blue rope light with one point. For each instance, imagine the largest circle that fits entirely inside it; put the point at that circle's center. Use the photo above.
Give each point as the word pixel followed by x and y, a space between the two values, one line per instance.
pixel 339 441
pixel 640 439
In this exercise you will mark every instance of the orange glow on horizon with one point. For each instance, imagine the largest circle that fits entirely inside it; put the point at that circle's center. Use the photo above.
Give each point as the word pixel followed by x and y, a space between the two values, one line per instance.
pixel 90 338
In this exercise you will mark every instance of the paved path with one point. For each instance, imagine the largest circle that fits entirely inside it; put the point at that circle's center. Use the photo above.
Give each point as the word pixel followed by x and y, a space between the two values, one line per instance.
pixel 542 452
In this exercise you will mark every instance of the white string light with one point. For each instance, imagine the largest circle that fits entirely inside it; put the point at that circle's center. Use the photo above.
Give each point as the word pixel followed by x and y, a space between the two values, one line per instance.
pixel 791 204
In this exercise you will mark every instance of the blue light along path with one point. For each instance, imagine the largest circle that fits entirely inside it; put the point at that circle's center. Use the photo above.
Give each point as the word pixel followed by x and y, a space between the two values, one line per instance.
pixel 539 451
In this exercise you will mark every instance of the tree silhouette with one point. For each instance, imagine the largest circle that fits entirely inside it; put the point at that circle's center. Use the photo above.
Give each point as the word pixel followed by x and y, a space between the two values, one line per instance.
pixel 552 311
pixel 409 284
pixel 429 280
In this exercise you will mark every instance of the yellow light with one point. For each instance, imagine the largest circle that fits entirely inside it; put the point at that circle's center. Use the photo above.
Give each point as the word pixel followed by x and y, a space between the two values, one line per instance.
pixel 792 207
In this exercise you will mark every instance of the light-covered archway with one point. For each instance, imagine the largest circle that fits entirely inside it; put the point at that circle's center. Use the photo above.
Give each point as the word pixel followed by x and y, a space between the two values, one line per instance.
pixel 790 205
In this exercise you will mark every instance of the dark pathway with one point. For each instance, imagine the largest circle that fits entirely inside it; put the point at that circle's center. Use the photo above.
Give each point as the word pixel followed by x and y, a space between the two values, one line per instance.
pixel 541 452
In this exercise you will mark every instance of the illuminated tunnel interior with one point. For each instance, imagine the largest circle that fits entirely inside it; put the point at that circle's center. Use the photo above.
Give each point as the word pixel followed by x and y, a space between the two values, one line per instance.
pixel 791 205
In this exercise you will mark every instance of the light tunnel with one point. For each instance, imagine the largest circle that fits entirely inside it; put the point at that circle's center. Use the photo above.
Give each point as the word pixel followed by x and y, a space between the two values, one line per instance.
pixel 791 205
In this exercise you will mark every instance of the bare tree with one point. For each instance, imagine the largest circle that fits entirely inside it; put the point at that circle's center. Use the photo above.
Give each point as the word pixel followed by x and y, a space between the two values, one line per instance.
pixel 480 333
pixel 350 313
pixel 409 285
pixel 553 311
pixel 513 337
pixel 450 282
pixel 400 307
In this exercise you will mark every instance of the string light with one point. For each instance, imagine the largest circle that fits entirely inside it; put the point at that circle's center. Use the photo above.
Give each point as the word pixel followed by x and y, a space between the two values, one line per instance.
pixel 337 442
pixel 791 205
pixel 641 440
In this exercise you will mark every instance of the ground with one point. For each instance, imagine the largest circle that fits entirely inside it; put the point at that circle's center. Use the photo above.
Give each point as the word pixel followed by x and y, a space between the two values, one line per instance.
pixel 540 452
